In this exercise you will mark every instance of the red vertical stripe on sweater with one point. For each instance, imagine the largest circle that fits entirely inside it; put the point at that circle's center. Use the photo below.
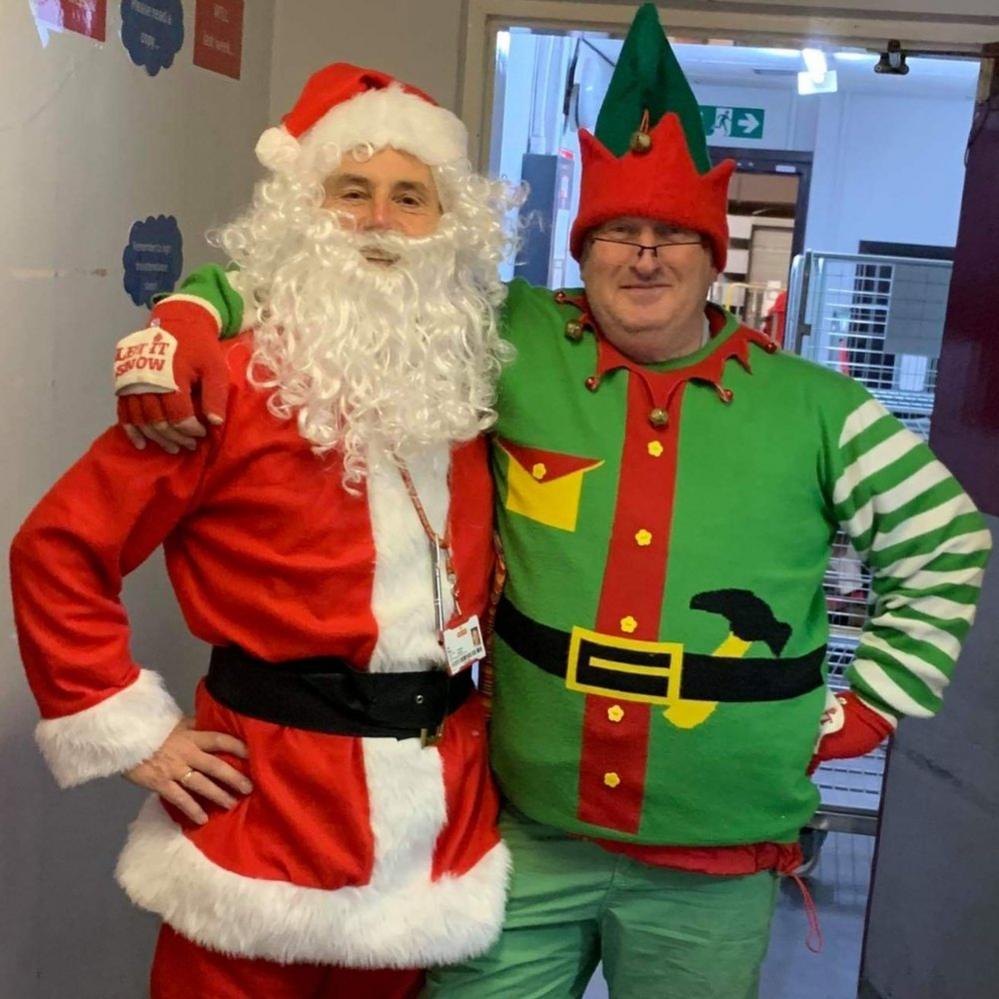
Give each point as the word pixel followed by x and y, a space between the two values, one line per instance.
pixel 615 752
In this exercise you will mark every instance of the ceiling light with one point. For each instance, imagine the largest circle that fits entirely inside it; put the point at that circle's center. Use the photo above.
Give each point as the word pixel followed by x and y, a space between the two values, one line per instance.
pixel 807 86
pixel 815 63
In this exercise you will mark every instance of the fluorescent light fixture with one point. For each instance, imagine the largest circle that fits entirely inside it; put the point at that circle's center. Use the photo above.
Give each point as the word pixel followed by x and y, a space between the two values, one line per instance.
pixel 815 64
pixel 853 56
pixel 806 85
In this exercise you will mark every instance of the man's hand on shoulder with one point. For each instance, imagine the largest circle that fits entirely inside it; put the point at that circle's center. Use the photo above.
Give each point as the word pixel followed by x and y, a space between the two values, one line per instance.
pixel 159 372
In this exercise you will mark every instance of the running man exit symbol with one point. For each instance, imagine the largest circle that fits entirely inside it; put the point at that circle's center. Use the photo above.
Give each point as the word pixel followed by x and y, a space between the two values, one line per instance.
pixel 737 123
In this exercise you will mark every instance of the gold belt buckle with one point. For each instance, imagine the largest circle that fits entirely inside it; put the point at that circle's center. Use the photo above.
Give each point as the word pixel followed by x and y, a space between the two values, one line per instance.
pixel 632 651
pixel 431 737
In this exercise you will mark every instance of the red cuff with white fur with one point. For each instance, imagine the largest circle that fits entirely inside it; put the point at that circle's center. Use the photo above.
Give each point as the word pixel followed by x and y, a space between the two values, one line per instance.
pixel 858 731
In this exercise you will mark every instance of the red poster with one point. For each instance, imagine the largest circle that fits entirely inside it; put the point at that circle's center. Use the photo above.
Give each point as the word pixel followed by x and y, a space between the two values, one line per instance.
pixel 218 36
pixel 86 17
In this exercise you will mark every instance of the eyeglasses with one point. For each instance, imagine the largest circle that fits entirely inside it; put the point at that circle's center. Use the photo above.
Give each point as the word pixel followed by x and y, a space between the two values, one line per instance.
pixel 619 250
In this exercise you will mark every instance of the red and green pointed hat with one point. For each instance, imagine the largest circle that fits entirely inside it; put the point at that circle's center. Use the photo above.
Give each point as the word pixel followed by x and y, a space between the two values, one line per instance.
pixel 649 156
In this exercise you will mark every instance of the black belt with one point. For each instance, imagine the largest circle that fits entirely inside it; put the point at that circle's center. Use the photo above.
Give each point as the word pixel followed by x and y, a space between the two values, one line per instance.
pixel 602 664
pixel 326 694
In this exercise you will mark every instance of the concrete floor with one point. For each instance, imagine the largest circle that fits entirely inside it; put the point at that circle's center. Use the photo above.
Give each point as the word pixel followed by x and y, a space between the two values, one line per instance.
pixel 839 885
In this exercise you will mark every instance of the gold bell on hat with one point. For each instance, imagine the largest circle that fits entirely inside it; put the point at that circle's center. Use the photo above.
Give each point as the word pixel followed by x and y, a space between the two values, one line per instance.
pixel 641 141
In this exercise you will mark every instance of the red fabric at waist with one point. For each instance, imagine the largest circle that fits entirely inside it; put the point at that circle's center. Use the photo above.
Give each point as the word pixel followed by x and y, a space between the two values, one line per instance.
pixel 721 860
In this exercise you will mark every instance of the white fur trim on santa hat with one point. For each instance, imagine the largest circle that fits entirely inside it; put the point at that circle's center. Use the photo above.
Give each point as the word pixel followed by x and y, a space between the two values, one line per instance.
pixel 423 923
pixel 111 737
pixel 376 118
pixel 277 150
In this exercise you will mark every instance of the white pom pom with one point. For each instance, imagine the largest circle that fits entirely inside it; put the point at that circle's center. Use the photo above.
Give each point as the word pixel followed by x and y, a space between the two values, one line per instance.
pixel 277 150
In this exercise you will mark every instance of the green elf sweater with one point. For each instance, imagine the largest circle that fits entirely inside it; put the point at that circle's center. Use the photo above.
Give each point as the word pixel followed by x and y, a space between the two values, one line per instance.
pixel 660 646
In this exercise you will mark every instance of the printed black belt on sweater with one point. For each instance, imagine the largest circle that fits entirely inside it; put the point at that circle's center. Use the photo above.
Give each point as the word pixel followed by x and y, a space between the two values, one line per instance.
pixel 326 694
pixel 655 672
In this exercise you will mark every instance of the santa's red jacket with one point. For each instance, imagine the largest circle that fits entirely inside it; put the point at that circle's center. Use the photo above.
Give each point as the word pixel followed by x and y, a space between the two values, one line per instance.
pixel 357 851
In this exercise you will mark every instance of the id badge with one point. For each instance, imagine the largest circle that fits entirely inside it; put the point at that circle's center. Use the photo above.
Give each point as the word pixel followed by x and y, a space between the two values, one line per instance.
pixel 463 644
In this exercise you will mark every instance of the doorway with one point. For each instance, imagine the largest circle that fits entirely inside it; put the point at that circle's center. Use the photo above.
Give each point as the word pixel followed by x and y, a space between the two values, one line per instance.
pixel 768 214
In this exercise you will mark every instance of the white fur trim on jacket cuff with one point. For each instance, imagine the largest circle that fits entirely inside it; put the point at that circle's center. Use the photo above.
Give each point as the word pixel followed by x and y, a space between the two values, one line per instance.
pixel 112 736
pixel 424 923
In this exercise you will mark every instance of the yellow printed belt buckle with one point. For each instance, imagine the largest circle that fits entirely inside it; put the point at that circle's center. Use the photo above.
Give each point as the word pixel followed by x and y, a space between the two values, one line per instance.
pixel 624 668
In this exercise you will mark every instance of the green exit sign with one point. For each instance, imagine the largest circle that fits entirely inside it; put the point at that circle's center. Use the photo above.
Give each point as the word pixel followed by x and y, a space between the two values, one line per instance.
pixel 735 123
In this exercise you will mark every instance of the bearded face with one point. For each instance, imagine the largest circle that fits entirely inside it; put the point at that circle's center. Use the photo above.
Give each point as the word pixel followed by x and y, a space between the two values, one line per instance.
pixel 372 339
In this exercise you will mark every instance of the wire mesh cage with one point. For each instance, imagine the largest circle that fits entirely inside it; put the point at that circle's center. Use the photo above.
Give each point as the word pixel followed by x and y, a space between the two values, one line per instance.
pixel 878 320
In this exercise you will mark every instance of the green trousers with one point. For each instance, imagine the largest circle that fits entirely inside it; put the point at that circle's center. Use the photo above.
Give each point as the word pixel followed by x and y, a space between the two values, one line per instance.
pixel 661 934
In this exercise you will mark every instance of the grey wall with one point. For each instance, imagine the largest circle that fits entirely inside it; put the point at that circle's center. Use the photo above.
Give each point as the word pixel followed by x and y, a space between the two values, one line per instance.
pixel 935 899
pixel 416 42
pixel 90 144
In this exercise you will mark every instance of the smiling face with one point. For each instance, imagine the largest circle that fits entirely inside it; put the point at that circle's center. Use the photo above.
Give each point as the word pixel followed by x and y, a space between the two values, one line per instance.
pixel 390 191
pixel 650 306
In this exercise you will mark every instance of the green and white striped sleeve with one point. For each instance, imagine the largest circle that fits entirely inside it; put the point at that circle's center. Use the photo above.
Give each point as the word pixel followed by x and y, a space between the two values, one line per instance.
pixel 926 546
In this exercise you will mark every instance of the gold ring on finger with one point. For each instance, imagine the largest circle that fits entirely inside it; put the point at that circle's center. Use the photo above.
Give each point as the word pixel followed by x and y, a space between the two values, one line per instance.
pixel 190 770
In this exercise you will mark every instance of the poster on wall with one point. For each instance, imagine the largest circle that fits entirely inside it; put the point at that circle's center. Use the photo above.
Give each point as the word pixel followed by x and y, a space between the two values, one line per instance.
pixel 218 36
pixel 152 32
pixel 153 258
pixel 85 17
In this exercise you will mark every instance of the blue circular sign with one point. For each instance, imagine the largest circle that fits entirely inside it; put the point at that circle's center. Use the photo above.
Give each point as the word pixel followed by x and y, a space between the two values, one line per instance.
pixel 153 258
pixel 152 31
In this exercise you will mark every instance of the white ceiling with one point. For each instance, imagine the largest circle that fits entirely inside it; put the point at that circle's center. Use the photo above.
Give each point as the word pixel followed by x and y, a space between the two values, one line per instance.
pixel 778 68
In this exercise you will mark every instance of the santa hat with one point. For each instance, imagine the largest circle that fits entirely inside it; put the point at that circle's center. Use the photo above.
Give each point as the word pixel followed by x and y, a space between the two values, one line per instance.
pixel 343 106
pixel 649 156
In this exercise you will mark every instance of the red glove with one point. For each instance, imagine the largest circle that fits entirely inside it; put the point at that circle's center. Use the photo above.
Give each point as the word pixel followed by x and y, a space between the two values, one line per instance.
pixel 159 370
pixel 849 728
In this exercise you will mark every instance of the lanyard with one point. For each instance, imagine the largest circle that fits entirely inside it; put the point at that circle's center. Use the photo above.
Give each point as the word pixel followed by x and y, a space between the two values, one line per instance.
pixel 440 551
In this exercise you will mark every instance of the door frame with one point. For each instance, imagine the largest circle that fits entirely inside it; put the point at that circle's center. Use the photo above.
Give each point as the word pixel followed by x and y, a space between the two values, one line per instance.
pixel 766 161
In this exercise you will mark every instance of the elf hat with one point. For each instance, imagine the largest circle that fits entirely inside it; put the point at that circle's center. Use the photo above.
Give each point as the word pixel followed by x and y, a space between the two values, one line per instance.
pixel 649 156
pixel 343 106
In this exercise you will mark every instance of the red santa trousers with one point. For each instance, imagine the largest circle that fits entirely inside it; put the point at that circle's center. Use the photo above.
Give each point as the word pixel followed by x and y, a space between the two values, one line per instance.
pixel 184 970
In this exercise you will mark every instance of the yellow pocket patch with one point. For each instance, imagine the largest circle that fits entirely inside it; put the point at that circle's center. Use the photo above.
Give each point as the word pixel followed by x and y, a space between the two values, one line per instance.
pixel 545 486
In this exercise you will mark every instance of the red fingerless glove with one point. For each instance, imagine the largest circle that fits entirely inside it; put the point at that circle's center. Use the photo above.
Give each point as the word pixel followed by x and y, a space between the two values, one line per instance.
pixel 177 355
pixel 855 732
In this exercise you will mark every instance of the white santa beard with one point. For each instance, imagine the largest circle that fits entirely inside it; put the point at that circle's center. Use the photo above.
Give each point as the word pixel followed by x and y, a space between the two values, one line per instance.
pixel 396 358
